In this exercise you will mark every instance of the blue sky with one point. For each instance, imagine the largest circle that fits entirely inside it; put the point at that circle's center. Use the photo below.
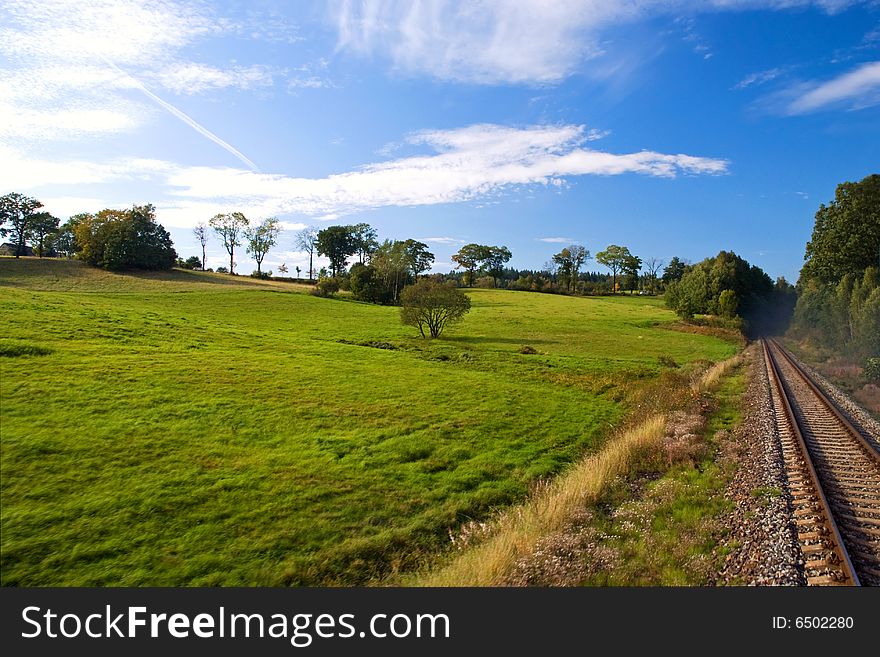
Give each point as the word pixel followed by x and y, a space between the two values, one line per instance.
pixel 674 127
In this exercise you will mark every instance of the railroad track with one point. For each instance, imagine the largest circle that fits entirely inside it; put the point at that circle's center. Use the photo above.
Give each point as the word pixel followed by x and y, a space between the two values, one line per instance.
pixel 833 472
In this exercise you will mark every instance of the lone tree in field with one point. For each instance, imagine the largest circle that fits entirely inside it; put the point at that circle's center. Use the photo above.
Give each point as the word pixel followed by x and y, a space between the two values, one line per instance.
pixel 431 306
pixel 307 240
pixel 201 233
pixel 261 238
pixel 616 259
pixel 19 212
pixel 230 227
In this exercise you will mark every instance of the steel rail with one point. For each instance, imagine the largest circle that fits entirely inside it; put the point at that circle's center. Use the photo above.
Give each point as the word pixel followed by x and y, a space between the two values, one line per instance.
pixel 839 547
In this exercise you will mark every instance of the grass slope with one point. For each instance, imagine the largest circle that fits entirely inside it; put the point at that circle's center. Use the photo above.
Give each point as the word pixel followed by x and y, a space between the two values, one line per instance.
pixel 198 429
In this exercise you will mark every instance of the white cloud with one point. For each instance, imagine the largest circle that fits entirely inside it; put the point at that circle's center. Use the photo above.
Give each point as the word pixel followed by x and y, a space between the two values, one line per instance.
pixel 556 240
pixel 471 163
pixel 856 89
pixel 508 41
pixel 66 58
pixel 191 78
pixel 450 241
pixel 759 78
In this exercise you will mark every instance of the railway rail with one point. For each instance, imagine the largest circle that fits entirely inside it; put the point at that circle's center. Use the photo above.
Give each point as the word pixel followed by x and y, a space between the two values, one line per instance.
pixel 833 472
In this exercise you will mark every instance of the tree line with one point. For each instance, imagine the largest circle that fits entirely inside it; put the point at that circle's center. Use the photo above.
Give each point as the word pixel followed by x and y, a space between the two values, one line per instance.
pixel 838 306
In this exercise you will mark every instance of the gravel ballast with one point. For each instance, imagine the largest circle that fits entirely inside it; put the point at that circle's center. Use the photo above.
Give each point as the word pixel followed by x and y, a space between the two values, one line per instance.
pixel 762 539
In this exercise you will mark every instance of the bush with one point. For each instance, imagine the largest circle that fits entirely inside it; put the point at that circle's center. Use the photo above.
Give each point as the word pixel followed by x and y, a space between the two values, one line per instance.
pixel 667 361
pixel 221 270
pixel 264 275
pixel 528 350
pixel 872 370
pixel 432 306
pixel 326 287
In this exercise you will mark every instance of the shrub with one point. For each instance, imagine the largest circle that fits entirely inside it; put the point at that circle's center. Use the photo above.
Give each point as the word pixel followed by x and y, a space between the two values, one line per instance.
pixel 264 275
pixel 221 270
pixel 667 361
pixel 432 306
pixel 526 349
pixel 326 287
pixel 872 370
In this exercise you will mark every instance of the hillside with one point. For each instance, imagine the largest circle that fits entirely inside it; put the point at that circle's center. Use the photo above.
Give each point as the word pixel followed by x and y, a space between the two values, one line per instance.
pixel 195 429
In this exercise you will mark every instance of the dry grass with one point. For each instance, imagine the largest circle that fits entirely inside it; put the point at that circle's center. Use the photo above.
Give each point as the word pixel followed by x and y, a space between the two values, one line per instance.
pixel 514 534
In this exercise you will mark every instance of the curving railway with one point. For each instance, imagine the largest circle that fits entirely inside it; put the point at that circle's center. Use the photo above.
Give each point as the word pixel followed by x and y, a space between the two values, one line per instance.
pixel 833 472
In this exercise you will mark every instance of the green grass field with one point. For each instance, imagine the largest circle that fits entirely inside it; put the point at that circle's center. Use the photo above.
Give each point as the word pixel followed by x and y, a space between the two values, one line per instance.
pixel 198 429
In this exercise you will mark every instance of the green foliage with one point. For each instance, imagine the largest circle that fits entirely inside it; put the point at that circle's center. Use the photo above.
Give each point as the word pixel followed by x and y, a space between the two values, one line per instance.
pixel 475 258
pixel 617 259
pixel 231 227
pixel 674 271
pixel 727 304
pixel 42 226
pixel 117 240
pixel 846 236
pixel 18 214
pixel 725 285
pixel 326 287
pixel 337 243
pixel 839 303
pixel 872 369
pixel 365 242
pixel 261 238
pixel 432 306
pixel 569 262
pixel 193 262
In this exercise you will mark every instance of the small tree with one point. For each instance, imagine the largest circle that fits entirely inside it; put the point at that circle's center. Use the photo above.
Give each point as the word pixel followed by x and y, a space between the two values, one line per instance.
pixel 201 233
pixel 652 266
pixel 365 242
pixel 298 270
pixel 429 305
pixel 192 262
pixel 283 268
pixel 261 238
pixel 337 243
pixel 230 227
pixel 495 259
pixel 44 225
pixel 307 240
pixel 615 258
pixel 20 212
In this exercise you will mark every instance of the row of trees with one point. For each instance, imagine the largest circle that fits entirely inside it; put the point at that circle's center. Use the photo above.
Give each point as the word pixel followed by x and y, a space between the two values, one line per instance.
pixel 729 287
pixel 28 226
pixel 838 307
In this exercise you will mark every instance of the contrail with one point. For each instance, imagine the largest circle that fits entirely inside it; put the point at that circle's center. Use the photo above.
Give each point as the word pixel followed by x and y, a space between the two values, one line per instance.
pixel 192 123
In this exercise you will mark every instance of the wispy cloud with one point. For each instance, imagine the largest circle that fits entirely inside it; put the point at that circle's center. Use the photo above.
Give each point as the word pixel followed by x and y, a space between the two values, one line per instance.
pixel 448 241
pixel 192 78
pixel 477 162
pixel 510 41
pixel 59 56
pixel 555 240
pixel 759 78
pixel 856 89
pixel 192 123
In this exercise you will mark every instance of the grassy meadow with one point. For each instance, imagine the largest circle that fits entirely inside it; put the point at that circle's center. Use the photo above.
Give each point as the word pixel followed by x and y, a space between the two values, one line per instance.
pixel 188 428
